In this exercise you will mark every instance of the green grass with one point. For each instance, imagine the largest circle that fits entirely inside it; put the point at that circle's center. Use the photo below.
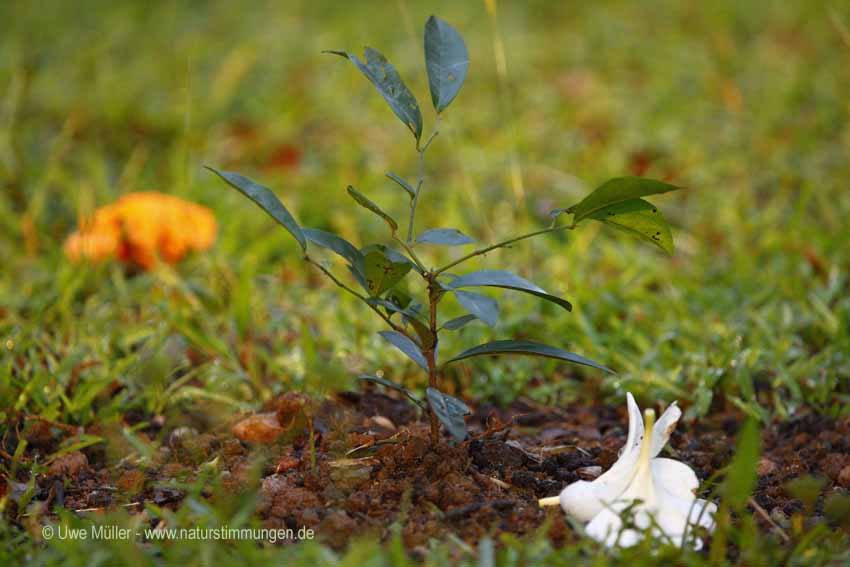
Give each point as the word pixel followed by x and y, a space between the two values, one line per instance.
pixel 745 103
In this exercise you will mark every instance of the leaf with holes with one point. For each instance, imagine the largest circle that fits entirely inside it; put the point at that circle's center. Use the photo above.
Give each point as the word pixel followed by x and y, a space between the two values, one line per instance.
pixel 266 199
pixel 446 60
pixel 618 190
pixel 367 203
pixel 403 184
pixel 336 244
pixel 450 411
pixel 639 218
pixel 484 307
pixel 444 237
pixel 388 82
pixel 506 280
pixel 395 386
pixel 527 348
pixel 406 346
pixel 382 272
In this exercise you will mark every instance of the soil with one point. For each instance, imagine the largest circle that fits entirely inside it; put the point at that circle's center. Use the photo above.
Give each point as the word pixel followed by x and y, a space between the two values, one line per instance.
pixel 362 463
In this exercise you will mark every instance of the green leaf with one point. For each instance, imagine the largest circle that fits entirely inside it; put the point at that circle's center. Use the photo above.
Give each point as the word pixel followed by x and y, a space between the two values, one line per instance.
pixel 367 203
pixel 267 201
pixel 399 302
pixel 403 184
pixel 406 346
pixel 336 244
pixel 741 474
pixel 482 306
pixel 618 190
pixel 445 237
pixel 506 280
pixel 459 322
pixel 449 411
pixel 529 348
pixel 388 82
pixel 382 270
pixel 389 305
pixel 639 218
pixel 447 61
pixel 395 386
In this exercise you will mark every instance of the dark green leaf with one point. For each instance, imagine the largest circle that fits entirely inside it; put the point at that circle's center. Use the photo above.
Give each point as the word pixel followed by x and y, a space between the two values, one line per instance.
pixel 449 411
pixel 403 184
pixel 447 61
pixel 406 346
pixel 458 322
pixel 741 474
pixel 367 203
pixel 617 190
pixel 382 270
pixel 482 306
pixel 359 276
pixel 336 244
pixel 507 280
pixel 639 218
pixel 389 305
pixel 444 236
pixel 266 199
pixel 388 82
pixel 529 348
pixel 410 315
pixel 394 386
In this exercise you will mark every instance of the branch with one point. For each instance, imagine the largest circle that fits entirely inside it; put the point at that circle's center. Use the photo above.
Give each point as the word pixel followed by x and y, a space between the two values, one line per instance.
pixel 421 151
pixel 410 251
pixel 358 295
pixel 502 244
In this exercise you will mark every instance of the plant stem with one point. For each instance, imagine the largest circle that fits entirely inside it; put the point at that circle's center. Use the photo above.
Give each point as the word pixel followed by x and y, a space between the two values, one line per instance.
pixel 502 244
pixel 434 296
pixel 359 296
pixel 409 250
pixel 415 202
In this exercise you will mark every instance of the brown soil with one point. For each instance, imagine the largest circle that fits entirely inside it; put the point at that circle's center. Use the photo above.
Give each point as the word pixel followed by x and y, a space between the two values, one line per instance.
pixel 370 467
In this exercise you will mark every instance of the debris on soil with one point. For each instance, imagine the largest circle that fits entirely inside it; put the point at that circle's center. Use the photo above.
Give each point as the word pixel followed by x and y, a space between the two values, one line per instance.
pixel 258 428
pixel 69 464
pixel 362 462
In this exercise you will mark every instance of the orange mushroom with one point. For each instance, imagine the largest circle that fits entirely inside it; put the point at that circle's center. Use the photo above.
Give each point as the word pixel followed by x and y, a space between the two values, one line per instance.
pixel 141 227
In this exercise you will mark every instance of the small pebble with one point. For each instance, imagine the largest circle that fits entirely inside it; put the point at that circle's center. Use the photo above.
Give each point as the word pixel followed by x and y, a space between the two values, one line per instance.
pixel 844 477
pixel 589 473
pixel 765 467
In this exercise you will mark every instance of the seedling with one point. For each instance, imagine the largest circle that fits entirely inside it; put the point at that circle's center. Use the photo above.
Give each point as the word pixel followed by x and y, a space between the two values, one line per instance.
pixel 382 271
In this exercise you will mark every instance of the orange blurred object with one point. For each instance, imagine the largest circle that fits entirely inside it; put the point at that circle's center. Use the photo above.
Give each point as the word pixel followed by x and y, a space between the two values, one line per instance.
pixel 141 227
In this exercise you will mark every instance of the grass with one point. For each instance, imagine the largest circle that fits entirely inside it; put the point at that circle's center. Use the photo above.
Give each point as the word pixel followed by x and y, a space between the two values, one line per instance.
pixel 745 103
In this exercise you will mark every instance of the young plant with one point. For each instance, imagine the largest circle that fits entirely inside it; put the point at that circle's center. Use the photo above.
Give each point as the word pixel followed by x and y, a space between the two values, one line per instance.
pixel 381 271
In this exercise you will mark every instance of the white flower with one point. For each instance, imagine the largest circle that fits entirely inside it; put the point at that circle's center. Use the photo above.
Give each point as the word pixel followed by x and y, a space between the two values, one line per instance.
pixel 658 492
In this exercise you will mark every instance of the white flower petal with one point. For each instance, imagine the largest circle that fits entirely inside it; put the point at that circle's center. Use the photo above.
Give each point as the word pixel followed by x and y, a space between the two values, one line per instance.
pixel 659 492
pixel 675 476
pixel 606 526
pixel 636 431
pixel 702 514
pixel 581 500
pixel 664 427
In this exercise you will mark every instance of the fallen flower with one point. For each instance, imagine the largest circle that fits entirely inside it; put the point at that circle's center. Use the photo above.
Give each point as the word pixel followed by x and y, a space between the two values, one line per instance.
pixel 141 227
pixel 657 492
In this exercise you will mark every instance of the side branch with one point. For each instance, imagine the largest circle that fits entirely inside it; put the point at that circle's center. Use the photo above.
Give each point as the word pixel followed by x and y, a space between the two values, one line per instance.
pixel 358 295
pixel 502 244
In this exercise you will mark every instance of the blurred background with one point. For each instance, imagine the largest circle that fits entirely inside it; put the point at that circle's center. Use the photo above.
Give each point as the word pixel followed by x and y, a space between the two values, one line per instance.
pixel 745 103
